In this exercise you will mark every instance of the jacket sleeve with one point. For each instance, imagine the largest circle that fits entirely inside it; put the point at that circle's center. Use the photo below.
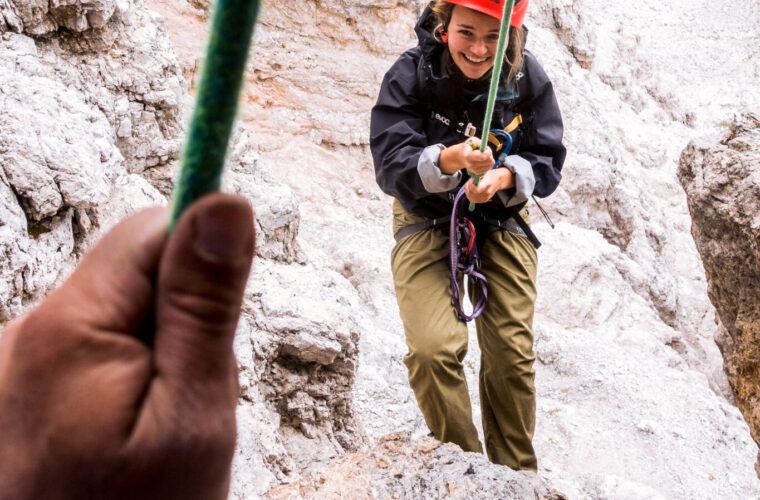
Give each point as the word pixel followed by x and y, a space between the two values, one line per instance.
pixel 398 140
pixel 542 144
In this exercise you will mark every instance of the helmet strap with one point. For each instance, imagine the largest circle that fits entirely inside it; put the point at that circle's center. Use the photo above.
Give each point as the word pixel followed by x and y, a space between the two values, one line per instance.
pixel 445 30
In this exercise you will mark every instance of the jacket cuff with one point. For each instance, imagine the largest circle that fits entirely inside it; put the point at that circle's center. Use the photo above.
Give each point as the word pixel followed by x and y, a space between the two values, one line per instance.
pixel 432 178
pixel 525 180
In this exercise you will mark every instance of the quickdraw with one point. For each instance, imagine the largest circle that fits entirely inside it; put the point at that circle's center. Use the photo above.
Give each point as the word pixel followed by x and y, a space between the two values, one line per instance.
pixel 463 250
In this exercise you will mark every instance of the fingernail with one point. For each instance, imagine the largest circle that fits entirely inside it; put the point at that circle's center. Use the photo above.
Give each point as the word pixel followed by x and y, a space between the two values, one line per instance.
pixel 224 230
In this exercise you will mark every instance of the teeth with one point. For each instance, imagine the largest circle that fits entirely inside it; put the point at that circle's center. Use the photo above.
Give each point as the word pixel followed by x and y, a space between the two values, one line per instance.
pixel 475 60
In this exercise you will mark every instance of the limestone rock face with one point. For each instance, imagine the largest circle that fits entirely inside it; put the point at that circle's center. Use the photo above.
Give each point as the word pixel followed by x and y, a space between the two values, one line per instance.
pixel 90 131
pixel 40 17
pixel 722 183
pixel 62 172
pixel 569 20
pixel 277 211
pixel 401 467
pixel 297 353
pixel 129 72
pixel 64 100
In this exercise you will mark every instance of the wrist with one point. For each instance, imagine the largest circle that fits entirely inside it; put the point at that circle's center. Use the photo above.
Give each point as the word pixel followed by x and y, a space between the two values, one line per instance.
pixel 505 178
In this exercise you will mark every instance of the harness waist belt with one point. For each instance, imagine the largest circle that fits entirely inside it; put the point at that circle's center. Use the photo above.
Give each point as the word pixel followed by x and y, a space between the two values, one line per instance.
pixel 522 228
pixel 505 225
pixel 493 225
pixel 421 226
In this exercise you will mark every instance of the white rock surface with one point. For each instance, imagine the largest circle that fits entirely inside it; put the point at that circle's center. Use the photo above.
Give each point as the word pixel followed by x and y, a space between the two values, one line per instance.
pixel 621 414
pixel 400 467
pixel 40 17
pixel 64 174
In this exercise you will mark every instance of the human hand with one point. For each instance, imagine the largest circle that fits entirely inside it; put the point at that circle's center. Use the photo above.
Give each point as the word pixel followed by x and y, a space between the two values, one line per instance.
pixel 123 383
pixel 463 156
pixel 491 182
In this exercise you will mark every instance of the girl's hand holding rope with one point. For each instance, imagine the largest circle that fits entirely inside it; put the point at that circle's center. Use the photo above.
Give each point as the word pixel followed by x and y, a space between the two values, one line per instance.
pixel 466 156
pixel 491 182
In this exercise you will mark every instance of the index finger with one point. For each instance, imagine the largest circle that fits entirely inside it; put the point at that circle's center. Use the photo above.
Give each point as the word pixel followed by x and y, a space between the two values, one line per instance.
pixel 112 286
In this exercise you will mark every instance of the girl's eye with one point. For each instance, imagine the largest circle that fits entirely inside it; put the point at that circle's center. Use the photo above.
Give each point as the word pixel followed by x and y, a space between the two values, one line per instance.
pixel 465 32
pixel 493 38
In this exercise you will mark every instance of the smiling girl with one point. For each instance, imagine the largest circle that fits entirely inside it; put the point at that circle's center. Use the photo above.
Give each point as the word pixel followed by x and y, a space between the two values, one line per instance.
pixel 431 102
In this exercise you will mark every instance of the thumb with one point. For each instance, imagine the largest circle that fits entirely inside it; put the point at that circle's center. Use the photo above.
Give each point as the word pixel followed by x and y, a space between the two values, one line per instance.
pixel 202 277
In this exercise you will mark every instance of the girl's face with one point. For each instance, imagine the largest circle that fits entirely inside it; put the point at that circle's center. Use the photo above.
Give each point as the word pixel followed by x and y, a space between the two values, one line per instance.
pixel 473 37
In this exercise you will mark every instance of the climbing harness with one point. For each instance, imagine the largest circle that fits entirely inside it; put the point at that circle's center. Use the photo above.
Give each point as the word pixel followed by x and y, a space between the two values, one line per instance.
pixel 216 105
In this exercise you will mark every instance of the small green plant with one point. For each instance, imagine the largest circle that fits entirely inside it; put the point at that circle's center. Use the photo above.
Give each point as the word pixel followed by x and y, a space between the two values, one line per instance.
pixel 35 229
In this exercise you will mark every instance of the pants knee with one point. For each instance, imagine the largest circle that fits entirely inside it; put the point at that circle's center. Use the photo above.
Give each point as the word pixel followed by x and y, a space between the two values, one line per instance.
pixel 516 372
pixel 433 360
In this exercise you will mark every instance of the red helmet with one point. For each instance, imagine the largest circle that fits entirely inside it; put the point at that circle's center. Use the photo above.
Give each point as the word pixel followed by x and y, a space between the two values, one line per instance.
pixel 494 8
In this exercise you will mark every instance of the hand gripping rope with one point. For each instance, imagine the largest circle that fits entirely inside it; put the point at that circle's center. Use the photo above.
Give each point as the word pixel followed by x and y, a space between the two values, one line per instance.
pixel 216 104
pixel 501 49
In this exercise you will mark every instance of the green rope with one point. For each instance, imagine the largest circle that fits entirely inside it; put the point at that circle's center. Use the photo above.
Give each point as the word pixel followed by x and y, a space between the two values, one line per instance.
pixel 216 104
pixel 501 49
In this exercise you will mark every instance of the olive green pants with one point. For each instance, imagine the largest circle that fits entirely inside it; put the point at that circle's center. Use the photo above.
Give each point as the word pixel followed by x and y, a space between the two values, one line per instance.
pixel 437 341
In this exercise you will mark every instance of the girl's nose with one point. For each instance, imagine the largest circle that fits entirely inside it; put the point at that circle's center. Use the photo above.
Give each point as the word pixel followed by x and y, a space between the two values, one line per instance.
pixel 479 48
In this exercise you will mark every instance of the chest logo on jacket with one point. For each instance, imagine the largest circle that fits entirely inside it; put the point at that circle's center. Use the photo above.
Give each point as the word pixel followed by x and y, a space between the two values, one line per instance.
pixel 468 130
pixel 440 118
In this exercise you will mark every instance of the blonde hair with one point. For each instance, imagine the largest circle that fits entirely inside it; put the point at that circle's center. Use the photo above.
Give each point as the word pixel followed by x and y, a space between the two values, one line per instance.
pixel 442 11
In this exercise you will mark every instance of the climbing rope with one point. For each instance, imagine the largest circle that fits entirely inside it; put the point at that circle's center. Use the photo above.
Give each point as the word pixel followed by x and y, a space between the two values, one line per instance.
pixel 463 251
pixel 501 49
pixel 216 104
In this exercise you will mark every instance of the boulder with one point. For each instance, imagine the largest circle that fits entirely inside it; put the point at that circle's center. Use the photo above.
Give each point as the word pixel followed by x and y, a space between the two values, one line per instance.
pixel 401 467
pixel 722 184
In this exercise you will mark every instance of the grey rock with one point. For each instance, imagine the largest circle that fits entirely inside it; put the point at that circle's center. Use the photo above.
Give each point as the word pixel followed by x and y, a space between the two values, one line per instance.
pixel 277 210
pixel 297 353
pixel 570 20
pixel 38 17
pixel 401 467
